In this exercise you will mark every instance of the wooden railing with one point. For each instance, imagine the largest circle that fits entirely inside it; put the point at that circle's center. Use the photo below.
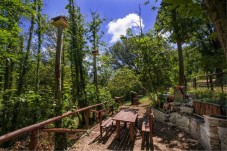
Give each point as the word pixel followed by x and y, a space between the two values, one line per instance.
pixel 35 128
pixel 203 108
pixel 208 81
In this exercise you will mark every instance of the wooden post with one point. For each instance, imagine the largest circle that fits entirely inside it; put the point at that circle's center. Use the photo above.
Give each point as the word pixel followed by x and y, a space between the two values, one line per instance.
pixel 111 108
pixel 34 139
pixel 100 122
pixel 211 83
pixel 194 81
pixel 207 78
pixel 151 127
pixel 132 125
pixel 87 113
pixel 118 129
pixel 60 23
pixel 222 90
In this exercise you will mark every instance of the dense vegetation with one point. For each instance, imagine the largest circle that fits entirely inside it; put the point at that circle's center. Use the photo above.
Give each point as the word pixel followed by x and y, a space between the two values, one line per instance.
pixel 150 62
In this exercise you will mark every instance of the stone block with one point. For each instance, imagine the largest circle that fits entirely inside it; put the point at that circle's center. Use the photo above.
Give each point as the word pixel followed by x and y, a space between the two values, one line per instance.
pixel 183 121
pixel 174 117
pixel 185 109
pixel 222 131
pixel 160 116
pixel 194 129
pixel 204 140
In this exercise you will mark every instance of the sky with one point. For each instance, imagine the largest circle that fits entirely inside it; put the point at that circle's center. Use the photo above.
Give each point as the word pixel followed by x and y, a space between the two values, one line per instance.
pixel 119 14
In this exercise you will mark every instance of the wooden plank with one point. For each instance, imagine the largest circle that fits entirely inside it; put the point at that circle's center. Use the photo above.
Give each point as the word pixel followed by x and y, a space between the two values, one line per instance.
pixel 63 130
pixel 126 116
pixel 145 127
pixel 95 111
pixel 104 123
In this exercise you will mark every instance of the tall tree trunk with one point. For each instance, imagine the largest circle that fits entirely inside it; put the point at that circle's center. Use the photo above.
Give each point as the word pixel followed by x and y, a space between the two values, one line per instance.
pixel 23 71
pixel 60 139
pixel 39 17
pixel 25 60
pixel 179 48
pixel 181 63
pixel 217 12
pixel 39 34
pixel 76 49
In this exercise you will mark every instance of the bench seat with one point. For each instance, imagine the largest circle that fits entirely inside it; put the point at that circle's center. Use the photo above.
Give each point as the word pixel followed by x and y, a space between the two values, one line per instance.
pixel 147 128
pixel 107 123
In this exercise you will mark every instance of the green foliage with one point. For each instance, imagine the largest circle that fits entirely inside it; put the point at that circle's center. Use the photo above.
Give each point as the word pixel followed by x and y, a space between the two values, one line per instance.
pixel 104 94
pixel 154 62
pixel 123 82
pixel 210 96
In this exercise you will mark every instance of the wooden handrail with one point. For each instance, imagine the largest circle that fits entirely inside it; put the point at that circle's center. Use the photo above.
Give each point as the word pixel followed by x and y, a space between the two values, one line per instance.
pixel 33 127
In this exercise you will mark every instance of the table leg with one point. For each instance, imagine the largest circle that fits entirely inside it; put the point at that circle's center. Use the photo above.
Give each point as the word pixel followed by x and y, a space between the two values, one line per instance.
pixel 125 124
pixel 132 131
pixel 118 129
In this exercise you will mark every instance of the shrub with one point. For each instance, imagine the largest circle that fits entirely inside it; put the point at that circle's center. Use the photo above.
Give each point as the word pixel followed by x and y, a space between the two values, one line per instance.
pixel 123 82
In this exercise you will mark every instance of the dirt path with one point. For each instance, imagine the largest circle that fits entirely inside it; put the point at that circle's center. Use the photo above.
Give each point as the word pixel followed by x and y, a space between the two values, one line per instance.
pixel 165 138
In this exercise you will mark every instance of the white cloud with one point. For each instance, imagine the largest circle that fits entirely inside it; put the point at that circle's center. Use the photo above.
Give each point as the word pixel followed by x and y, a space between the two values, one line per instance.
pixel 118 27
pixel 165 35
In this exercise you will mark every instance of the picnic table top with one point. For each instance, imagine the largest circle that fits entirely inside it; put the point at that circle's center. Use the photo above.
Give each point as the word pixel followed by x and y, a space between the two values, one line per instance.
pixel 126 115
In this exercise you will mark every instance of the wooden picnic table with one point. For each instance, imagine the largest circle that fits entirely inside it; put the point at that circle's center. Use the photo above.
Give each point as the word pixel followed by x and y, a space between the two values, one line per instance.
pixel 126 115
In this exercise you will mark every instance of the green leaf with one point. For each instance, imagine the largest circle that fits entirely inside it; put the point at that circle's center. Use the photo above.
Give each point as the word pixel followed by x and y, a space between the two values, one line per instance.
pixel 213 36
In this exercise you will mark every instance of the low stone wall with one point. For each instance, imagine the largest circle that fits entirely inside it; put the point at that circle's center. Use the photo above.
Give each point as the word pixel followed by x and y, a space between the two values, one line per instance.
pixel 206 132
pixel 216 140
pixel 223 136
pixel 160 116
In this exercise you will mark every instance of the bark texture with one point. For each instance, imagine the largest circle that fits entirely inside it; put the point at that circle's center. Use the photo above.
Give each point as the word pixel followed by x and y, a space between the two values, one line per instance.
pixel 216 10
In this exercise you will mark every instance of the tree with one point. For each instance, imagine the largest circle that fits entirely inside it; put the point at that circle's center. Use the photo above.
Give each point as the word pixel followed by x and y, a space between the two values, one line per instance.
pixel 123 82
pixel 180 27
pixel 11 44
pixel 76 51
pixel 94 38
pixel 122 54
pixel 216 10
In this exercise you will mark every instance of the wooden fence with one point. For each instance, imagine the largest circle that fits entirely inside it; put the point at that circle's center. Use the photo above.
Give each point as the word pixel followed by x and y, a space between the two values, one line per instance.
pixel 36 128
pixel 203 108
pixel 208 81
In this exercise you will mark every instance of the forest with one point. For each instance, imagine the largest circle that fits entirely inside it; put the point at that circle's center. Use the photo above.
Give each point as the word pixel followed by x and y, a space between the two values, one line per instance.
pixel 90 71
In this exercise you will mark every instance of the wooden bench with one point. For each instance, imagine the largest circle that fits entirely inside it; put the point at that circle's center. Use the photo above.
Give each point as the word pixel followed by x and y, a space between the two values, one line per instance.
pixel 147 127
pixel 107 123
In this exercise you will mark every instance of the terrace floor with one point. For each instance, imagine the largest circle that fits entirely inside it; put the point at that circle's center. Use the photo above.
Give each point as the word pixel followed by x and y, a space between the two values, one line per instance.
pixel 165 137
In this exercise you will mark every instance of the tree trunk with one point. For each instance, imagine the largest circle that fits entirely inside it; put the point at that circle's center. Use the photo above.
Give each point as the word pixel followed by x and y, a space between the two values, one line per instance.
pixel 23 71
pixel 216 10
pixel 39 45
pixel 181 63
pixel 60 139
pixel 179 48
pixel 25 60
pixel 77 45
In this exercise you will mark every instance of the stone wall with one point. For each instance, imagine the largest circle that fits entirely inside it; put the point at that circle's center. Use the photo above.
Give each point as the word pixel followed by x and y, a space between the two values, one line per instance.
pixel 210 136
pixel 215 134
pixel 160 116
pixel 223 136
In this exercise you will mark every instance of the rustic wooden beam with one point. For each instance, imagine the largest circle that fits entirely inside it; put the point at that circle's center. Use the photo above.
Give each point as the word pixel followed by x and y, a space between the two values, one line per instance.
pixel 34 140
pixel 95 111
pixel 87 113
pixel 63 130
pixel 30 128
